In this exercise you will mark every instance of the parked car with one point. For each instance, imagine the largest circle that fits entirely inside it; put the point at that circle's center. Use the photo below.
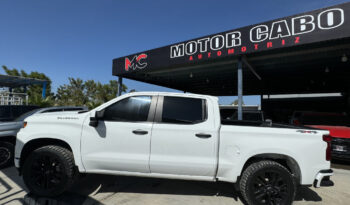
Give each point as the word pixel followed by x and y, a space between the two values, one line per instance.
pixel 171 135
pixel 8 131
pixel 9 113
pixel 338 124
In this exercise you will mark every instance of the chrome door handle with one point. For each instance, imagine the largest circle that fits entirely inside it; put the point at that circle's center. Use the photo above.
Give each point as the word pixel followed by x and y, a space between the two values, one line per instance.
pixel 140 132
pixel 202 135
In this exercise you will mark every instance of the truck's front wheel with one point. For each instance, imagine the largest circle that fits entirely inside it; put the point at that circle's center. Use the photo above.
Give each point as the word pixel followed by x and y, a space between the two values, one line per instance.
pixel 6 154
pixel 267 182
pixel 49 170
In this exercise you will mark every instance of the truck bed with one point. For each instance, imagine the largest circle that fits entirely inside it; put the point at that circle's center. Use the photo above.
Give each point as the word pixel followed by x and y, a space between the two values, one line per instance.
pixel 263 124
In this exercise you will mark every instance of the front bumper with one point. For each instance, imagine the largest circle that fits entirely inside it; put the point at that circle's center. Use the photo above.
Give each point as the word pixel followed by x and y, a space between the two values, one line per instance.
pixel 323 179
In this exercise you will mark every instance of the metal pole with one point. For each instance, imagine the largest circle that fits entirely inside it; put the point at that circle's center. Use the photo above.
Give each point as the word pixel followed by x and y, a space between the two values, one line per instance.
pixel 43 94
pixel 9 97
pixel 120 86
pixel 26 95
pixel 240 88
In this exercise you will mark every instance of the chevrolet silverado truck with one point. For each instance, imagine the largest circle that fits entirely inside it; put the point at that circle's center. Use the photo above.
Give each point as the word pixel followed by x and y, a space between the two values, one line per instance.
pixel 175 136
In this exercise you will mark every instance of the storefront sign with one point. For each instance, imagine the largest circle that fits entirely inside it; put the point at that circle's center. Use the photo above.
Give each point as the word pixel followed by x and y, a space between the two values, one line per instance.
pixel 316 26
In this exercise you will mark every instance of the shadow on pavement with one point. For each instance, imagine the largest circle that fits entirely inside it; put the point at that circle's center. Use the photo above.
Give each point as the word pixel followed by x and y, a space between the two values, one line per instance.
pixel 65 199
pixel 96 185
pixel 13 192
pixel 341 164
pixel 88 189
pixel 306 194
pixel 100 184
pixel 93 188
pixel 123 184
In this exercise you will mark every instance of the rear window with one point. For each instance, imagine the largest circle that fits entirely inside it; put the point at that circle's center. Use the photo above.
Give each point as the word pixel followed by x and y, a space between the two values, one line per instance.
pixel 182 110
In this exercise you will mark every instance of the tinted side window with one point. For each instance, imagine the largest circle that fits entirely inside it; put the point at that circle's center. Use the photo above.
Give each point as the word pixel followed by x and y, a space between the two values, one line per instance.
pixel 132 109
pixel 183 110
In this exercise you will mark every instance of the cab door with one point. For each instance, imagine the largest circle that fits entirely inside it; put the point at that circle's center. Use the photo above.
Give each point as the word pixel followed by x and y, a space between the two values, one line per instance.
pixel 121 141
pixel 184 137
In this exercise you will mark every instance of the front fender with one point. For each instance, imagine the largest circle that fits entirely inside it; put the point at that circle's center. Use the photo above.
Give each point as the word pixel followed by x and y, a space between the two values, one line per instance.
pixel 70 135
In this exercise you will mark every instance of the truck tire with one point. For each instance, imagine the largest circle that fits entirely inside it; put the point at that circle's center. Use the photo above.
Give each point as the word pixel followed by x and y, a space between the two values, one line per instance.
pixel 267 182
pixel 49 171
pixel 6 154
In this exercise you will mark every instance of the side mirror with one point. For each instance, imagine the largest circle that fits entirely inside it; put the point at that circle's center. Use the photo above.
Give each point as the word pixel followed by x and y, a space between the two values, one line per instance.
pixel 94 120
pixel 99 114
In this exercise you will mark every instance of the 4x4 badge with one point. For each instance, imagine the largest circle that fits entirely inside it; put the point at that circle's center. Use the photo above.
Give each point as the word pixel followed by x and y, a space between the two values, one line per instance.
pixel 307 131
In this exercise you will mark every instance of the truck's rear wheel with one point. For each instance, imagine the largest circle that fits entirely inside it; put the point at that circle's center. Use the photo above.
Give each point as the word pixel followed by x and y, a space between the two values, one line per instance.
pixel 267 182
pixel 6 154
pixel 49 171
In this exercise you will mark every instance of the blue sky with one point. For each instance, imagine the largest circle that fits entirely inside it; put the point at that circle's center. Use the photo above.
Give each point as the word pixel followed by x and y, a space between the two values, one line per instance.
pixel 65 38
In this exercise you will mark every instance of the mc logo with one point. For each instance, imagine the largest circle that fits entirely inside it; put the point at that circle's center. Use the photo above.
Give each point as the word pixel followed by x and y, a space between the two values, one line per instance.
pixel 136 62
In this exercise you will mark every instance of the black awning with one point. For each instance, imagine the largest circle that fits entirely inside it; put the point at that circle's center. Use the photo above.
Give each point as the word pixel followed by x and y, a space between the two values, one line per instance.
pixel 297 54
pixel 17 81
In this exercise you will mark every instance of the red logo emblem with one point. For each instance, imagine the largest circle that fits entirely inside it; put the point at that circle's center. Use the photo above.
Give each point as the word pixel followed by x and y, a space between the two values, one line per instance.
pixel 137 62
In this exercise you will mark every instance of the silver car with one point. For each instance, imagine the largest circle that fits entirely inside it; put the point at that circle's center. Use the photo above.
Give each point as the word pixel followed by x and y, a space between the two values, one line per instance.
pixel 8 131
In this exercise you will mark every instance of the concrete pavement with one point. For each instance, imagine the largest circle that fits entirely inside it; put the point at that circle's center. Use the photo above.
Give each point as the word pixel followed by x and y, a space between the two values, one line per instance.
pixel 101 189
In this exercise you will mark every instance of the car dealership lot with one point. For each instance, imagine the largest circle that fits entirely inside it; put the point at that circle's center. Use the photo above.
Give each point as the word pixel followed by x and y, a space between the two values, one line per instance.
pixel 101 189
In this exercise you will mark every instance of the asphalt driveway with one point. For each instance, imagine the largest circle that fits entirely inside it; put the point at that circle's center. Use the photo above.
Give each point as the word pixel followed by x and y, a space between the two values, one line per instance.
pixel 101 189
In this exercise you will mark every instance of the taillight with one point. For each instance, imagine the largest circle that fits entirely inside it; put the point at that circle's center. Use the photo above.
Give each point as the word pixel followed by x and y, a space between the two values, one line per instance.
pixel 328 139
pixel 24 124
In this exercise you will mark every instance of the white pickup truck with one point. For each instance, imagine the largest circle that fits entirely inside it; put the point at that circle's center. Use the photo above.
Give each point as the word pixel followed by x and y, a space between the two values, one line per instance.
pixel 175 136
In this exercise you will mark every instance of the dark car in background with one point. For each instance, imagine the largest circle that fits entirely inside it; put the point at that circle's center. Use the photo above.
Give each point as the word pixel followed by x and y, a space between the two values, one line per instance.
pixel 11 112
pixel 9 129
pixel 338 124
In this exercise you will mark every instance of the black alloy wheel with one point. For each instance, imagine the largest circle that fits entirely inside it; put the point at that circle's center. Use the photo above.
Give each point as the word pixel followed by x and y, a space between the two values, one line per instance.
pixel 269 187
pixel 46 172
pixel 49 171
pixel 6 154
pixel 268 183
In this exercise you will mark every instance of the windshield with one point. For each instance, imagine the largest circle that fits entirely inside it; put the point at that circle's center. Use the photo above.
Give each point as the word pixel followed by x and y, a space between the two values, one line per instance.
pixel 62 109
pixel 25 115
